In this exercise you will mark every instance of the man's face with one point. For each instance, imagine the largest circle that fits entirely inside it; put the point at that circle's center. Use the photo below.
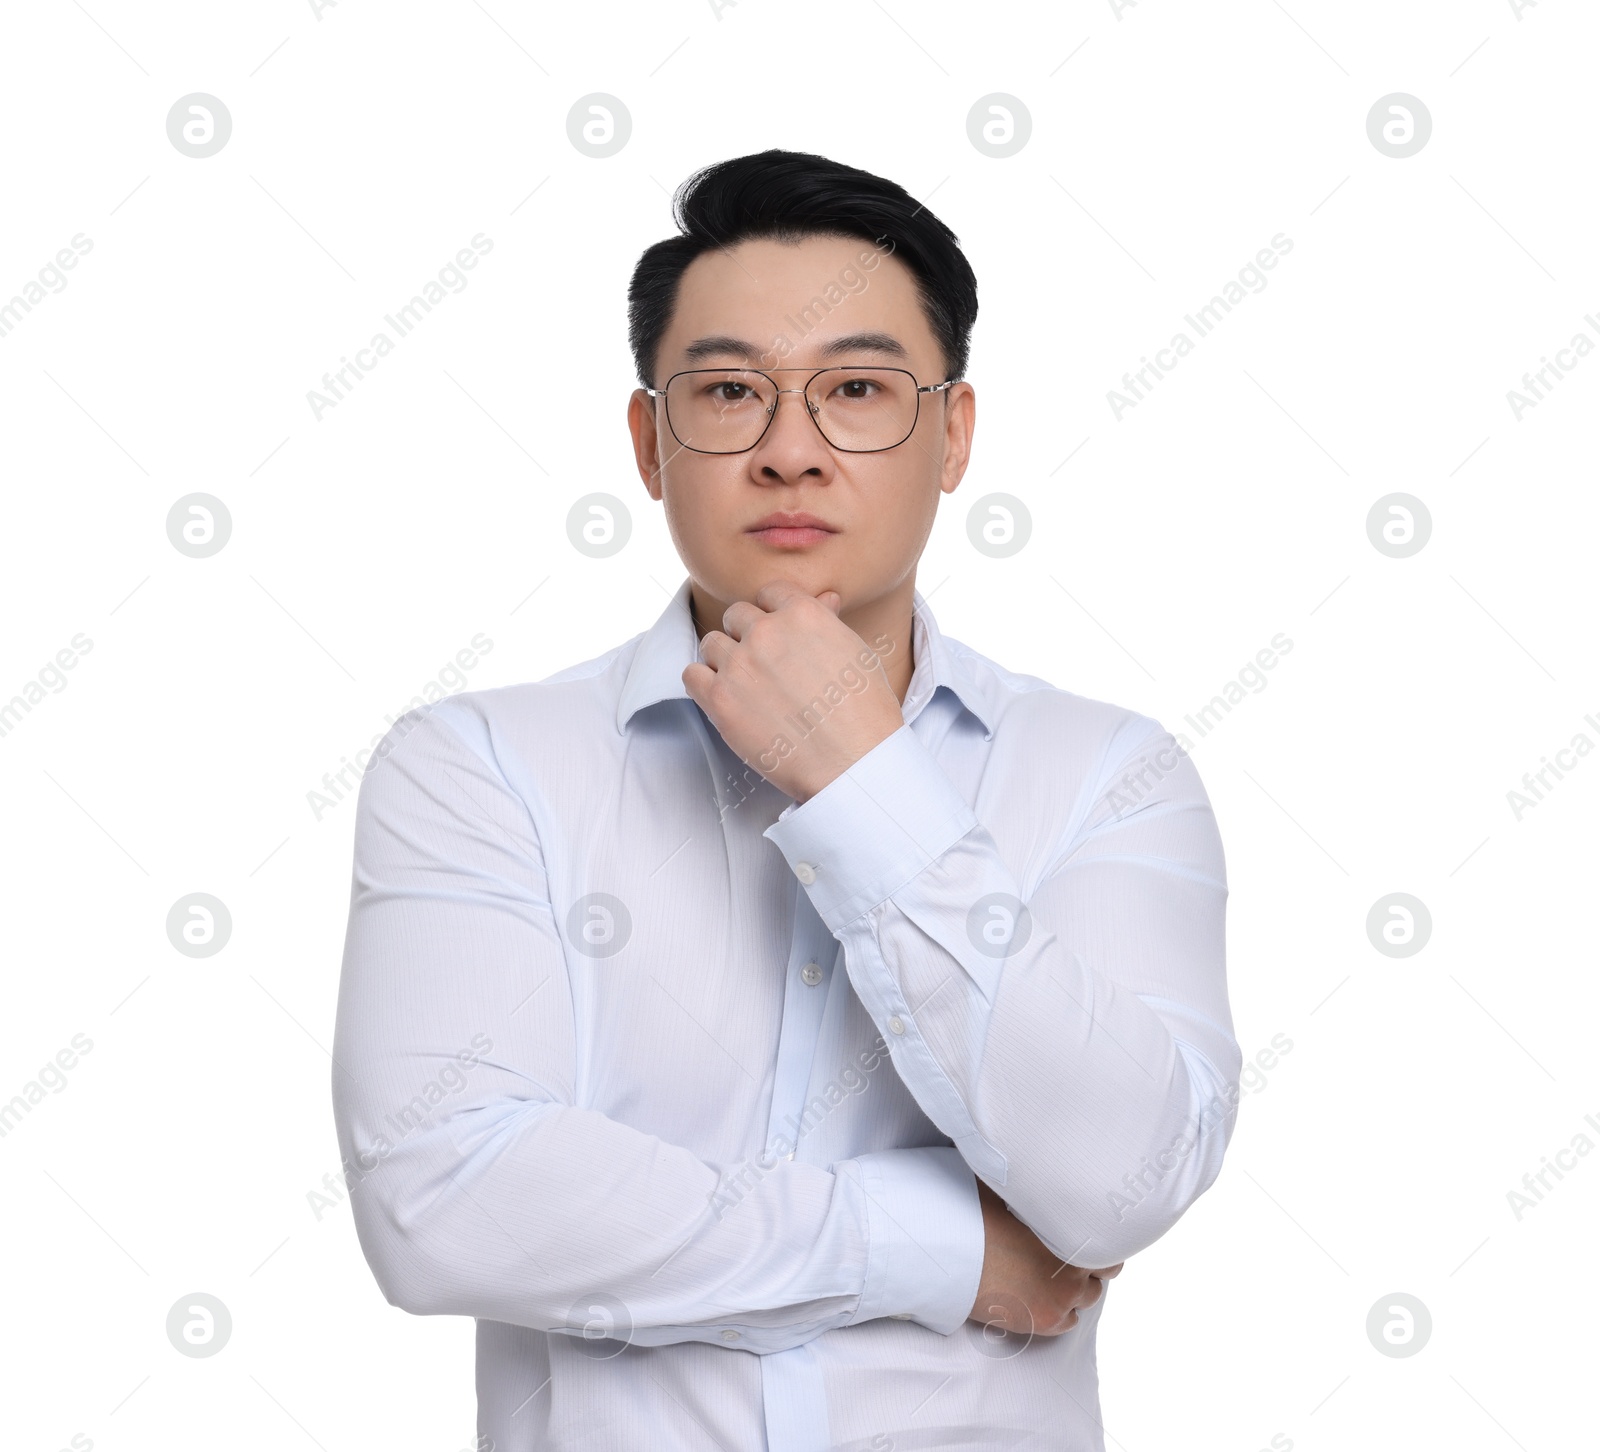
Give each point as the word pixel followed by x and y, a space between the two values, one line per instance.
pixel 789 310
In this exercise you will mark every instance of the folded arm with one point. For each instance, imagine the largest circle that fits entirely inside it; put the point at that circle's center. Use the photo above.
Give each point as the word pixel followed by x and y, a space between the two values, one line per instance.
pixel 1074 1041
pixel 483 1188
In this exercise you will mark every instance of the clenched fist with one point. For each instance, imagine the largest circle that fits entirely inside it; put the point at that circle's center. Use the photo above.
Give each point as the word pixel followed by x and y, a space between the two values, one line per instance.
pixel 1024 1288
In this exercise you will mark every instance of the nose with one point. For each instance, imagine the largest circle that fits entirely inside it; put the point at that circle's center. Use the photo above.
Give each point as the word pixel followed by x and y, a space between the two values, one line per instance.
pixel 794 446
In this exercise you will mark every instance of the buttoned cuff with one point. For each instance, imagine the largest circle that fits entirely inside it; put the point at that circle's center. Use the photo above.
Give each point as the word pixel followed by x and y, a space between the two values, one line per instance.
pixel 924 1236
pixel 872 828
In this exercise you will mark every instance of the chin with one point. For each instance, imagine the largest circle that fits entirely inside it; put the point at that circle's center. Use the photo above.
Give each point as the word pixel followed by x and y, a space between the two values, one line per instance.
pixel 812 581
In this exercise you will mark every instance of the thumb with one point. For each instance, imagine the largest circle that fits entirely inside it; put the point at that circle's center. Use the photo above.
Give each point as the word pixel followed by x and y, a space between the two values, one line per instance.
pixel 832 599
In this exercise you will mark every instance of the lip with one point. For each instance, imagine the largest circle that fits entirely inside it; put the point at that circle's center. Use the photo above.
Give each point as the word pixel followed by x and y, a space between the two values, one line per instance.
pixel 784 520
pixel 791 531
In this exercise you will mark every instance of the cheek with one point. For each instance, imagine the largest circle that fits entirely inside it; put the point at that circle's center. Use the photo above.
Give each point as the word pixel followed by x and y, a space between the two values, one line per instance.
pixel 683 525
pixel 700 507
pixel 898 507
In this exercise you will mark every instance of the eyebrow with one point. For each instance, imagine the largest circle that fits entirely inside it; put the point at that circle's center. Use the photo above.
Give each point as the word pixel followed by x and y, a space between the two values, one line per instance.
pixel 722 345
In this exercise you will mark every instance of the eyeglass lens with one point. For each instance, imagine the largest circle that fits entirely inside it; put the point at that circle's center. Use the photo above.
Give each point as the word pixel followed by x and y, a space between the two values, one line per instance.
pixel 725 411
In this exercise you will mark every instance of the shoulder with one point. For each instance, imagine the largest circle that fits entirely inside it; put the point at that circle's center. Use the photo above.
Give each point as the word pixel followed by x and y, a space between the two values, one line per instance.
pixel 1064 764
pixel 500 723
pixel 1043 714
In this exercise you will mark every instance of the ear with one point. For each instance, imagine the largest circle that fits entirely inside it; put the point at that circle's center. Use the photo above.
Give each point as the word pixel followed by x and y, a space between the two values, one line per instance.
pixel 642 425
pixel 960 419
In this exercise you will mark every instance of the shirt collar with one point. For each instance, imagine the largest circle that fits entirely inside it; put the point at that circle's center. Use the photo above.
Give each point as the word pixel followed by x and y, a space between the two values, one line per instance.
pixel 656 670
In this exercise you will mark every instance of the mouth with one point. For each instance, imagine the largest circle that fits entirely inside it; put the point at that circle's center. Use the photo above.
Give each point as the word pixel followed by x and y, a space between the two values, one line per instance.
pixel 791 531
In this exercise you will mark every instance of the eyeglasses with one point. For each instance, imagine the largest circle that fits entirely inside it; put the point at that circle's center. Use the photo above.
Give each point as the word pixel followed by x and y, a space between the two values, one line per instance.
pixel 729 410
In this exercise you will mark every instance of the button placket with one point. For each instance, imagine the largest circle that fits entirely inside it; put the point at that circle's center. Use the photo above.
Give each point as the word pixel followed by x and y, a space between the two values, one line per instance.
pixel 801 1031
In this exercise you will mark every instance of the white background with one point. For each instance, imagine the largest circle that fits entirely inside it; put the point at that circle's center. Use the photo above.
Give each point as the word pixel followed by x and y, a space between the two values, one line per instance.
pixel 1169 144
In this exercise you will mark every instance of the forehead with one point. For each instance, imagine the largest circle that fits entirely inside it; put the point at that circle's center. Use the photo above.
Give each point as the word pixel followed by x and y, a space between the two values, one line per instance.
pixel 804 292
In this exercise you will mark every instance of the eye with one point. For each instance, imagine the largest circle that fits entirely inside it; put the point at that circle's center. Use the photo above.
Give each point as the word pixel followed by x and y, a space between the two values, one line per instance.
pixel 858 390
pixel 731 390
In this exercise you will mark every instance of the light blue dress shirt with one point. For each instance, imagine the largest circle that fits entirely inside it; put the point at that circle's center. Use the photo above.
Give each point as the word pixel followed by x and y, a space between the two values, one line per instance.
pixel 679 1088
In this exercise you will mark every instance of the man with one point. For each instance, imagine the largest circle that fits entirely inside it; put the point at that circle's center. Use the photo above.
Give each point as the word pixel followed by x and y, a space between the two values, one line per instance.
pixel 776 1030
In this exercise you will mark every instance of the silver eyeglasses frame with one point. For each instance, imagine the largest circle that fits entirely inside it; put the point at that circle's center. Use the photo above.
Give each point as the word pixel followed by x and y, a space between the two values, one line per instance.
pixel 811 409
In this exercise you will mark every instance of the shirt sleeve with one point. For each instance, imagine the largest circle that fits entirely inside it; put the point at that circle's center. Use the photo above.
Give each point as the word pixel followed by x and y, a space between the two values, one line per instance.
pixel 478 1185
pixel 1075 1043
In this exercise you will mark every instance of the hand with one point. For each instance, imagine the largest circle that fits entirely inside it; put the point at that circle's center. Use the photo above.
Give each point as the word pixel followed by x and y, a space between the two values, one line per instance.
pixel 1024 1288
pixel 777 657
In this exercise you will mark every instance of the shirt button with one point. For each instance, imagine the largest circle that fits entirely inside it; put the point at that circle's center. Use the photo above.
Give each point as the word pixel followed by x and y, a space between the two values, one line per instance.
pixel 811 974
pixel 730 1335
pixel 896 1026
pixel 805 872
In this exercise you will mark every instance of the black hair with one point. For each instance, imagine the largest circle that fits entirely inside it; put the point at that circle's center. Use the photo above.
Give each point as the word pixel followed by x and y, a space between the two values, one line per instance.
pixel 788 195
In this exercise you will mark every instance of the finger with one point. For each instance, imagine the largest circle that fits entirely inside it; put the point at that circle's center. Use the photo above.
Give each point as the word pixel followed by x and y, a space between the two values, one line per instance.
pixel 739 617
pixel 697 679
pixel 1091 1292
pixel 832 599
pixel 717 648
pixel 1110 1272
pixel 775 594
pixel 1067 1324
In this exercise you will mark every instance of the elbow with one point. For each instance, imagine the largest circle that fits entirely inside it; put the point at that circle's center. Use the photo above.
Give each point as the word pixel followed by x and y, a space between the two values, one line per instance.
pixel 401 1267
pixel 1137 1212
pixel 409 1251
pixel 405 1293
pixel 1105 1225
pixel 1116 1220
pixel 430 1256
pixel 1150 1199
pixel 393 1240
